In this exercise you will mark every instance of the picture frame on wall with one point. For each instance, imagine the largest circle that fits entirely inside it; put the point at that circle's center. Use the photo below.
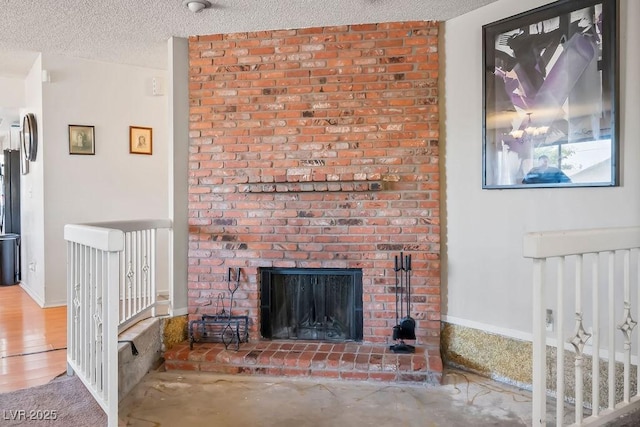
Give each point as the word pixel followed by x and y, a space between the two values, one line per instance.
pixel 140 140
pixel 82 140
pixel 550 95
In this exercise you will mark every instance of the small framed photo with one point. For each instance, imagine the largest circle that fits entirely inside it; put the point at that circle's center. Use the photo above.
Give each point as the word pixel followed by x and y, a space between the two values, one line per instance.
pixel 82 140
pixel 140 140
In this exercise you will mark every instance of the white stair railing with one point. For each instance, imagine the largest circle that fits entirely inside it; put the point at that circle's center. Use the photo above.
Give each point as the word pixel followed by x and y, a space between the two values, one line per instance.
pixel 111 283
pixel 608 262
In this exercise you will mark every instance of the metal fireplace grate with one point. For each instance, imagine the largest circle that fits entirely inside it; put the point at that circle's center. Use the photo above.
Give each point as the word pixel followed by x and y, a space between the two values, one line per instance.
pixel 219 328
pixel 222 326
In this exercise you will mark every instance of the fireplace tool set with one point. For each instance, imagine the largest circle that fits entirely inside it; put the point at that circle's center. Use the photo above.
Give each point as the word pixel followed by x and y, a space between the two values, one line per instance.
pixel 405 328
pixel 222 326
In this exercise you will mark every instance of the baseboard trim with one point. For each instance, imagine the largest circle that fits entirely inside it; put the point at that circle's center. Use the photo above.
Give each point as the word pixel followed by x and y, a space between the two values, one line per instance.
pixel 505 332
pixel 34 296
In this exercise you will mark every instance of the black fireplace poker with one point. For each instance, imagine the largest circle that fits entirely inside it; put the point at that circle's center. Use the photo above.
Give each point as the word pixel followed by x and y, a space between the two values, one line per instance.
pixel 405 328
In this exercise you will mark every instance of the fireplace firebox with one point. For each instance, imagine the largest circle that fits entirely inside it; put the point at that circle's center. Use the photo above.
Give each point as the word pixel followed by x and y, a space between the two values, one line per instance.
pixel 311 304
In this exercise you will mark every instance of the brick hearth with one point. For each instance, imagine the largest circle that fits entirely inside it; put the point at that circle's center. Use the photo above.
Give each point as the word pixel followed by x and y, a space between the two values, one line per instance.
pixel 349 361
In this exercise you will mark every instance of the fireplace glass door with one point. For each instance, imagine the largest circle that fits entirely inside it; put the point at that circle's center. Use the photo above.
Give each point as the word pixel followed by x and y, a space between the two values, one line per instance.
pixel 311 304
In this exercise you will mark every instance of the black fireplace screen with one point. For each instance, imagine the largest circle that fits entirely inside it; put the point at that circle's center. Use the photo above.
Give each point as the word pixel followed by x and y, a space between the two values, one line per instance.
pixel 311 304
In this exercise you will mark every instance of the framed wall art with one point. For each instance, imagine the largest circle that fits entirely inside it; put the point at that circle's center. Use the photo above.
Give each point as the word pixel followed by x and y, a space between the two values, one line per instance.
pixel 550 97
pixel 82 140
pixel 140 140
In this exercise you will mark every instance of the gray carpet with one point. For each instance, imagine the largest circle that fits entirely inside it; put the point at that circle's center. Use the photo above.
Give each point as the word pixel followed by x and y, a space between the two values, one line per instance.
pixel 629 420
pixel 65 398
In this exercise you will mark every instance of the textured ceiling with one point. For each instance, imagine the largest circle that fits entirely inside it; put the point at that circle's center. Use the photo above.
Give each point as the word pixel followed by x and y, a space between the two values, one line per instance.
pixel 136 31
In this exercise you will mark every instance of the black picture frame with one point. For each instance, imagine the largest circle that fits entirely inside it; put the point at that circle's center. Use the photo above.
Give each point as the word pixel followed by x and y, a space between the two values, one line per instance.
pixel 550 97
pixel 82 140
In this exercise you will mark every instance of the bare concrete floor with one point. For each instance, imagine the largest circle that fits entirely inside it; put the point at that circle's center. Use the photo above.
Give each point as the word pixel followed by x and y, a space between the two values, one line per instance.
pixel 179 398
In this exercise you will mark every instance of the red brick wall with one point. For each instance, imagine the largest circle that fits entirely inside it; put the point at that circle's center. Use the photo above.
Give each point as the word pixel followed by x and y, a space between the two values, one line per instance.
pixel 317 148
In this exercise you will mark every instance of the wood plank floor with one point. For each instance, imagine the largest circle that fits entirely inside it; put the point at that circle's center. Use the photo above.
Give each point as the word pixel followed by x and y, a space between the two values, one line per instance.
pixel 33 341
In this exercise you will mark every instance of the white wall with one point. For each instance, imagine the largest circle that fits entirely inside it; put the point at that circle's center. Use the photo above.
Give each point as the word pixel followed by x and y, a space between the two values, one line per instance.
pixel 487 282
pixel 178 94
pixel 111 185
pixel 12 97
pixel 12 92
pixel 31 195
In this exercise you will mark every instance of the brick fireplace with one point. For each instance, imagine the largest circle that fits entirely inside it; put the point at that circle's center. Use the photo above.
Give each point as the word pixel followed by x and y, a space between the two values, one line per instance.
pixel 317 148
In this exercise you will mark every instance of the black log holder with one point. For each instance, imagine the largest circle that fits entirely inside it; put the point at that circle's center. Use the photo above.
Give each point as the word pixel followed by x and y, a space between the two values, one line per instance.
pixel 405 328
pixel 223 326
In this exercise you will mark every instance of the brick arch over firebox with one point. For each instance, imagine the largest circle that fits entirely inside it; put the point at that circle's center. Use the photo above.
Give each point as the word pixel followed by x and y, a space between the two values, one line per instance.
pixel 317 148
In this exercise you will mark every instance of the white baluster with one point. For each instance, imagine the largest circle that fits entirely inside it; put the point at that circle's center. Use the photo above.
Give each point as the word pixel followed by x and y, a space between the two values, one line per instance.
pixel 612 332
pixel 579 341
pixel 627 326
pixel 560 386
pixel 92 302
pixel 138 279
pixel 130 273
pixel 84 310
pixel 152 263
pixel 539 345
pixel 595 331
